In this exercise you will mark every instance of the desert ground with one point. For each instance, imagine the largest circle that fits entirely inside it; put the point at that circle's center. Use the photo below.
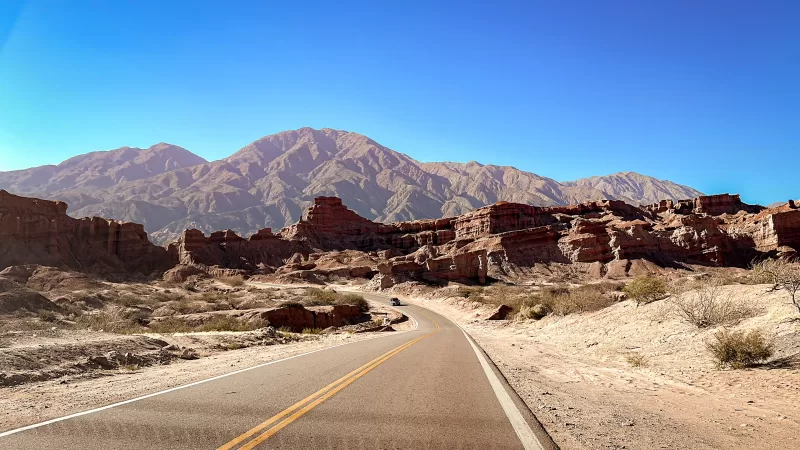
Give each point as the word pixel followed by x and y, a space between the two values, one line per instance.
pixel 640 377
pixel 597 368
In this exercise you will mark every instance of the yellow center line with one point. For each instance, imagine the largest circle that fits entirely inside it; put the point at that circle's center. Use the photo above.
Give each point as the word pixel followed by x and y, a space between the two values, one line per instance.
pixel 321 395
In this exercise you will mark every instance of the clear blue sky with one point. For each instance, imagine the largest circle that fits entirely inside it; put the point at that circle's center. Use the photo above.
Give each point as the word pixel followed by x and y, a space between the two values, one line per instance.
pixel 705 93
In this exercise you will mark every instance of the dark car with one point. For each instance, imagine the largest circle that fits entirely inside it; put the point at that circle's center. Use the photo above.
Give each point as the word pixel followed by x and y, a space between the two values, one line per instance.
pixel 394 301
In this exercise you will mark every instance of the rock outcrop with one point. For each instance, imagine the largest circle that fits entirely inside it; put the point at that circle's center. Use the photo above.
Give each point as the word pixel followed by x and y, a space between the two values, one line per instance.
pixel 34 231
pixel 504 239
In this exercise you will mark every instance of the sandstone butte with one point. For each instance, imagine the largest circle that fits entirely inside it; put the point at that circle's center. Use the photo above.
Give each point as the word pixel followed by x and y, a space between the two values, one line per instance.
pixel 499 241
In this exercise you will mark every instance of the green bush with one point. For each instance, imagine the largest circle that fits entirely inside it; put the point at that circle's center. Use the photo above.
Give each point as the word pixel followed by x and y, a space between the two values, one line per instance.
pixel 737 349
pixel 646 289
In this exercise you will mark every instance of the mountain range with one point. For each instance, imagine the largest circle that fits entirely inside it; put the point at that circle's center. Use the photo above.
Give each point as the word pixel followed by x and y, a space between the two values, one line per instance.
pixel 271 181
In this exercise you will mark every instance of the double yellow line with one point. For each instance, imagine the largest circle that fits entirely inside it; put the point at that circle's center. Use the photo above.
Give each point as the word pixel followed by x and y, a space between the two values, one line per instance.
pixel 305 405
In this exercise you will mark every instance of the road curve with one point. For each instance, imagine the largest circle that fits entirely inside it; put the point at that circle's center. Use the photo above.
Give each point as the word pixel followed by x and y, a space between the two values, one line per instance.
pixel 426 388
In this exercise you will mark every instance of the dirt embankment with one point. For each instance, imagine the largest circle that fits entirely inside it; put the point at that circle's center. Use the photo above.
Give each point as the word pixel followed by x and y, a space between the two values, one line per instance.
pixel 576 375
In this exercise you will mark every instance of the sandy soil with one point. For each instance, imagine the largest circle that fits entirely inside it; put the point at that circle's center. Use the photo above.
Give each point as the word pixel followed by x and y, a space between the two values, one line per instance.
pixel 573 373
pixel 38 401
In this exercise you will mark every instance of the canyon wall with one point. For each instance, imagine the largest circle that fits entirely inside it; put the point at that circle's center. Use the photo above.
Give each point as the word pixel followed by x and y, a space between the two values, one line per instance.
pixel 34 231
pixel 503 239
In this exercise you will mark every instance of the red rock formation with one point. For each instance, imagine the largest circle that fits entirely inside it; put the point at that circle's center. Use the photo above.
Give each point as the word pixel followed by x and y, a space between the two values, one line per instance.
pixel 718 204
pixel 298 318
pixel 226 249
pixel 34 231
pixel 494 219
pixel 497 240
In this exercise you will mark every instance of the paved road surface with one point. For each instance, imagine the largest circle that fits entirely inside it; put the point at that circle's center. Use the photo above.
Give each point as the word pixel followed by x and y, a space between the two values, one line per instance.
pixel 425 388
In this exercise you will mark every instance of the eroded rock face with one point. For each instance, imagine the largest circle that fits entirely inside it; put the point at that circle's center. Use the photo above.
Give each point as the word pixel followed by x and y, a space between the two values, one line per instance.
pixel 502 239
pixel 228 250
pixel 34 231
pixel 505 239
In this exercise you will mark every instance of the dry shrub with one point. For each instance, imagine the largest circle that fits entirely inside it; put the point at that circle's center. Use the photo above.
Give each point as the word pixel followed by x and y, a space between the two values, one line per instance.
pixel 637 360
pixel 213 297
pixel 737 349
pixel 646 289
pixel 781 274
pixel 535 312
pixel 705 304
pixel 323 297
pixel 474 293
pixel 318 297
pixel 47 316
pixel 109 321
pixel 232 280
pixel 169 325
pixel 216 323
pixel 354 299
pixel 184 306
pixel 563 301
pixel 163 297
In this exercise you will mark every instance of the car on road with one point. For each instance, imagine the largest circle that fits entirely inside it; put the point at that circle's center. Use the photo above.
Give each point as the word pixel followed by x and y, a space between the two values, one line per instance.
pixel 394 301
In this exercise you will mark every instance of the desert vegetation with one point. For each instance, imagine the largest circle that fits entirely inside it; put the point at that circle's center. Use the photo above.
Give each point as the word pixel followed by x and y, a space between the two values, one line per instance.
pixel 705 303
pixel 324 297
pixel 740 349
pixel 782 274
pixel 646 289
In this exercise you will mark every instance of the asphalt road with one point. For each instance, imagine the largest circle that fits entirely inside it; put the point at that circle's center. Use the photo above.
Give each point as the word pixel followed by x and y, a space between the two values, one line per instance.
pixel 425 388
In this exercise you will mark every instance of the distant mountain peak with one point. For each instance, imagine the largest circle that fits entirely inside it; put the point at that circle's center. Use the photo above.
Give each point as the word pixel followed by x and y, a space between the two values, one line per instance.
pixel 270 182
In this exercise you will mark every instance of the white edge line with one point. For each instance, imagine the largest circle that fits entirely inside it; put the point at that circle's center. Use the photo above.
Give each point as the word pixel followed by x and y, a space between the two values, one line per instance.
pixel 520 425
pixel 143 397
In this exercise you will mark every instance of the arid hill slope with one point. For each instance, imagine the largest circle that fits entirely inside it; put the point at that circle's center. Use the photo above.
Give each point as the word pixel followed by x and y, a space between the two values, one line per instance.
pixel 270 182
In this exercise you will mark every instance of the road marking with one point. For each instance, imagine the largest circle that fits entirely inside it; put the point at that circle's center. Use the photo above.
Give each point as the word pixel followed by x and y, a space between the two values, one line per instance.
pixel 520 425
pixel 176 388
pixel 232 443
pixel 315 399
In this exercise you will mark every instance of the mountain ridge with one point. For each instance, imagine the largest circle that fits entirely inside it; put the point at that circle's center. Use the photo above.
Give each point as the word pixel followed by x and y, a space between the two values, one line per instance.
pixel 271 181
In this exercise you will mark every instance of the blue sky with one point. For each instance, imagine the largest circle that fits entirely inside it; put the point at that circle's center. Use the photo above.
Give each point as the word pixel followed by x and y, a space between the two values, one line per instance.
pixel 702 93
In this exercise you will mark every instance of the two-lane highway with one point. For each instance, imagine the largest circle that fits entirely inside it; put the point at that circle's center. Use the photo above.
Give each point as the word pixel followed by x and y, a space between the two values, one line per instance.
pixel 426 388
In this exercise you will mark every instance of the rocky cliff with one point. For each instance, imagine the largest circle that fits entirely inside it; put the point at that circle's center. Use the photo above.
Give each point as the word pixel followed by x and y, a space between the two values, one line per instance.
pixel 34 231
pixel 505 239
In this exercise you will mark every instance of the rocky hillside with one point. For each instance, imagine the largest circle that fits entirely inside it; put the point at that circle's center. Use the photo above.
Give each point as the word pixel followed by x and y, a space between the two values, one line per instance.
pixel 271 181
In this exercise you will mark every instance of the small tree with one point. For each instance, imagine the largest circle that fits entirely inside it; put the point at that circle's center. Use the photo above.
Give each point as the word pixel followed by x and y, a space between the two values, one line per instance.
pixel 646 289
pixel 781 274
